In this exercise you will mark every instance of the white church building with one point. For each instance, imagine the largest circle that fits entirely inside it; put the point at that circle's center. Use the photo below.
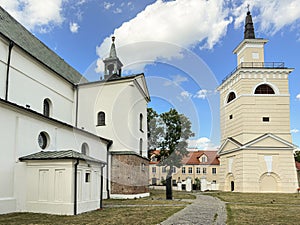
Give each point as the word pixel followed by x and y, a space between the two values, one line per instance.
pixel 66 143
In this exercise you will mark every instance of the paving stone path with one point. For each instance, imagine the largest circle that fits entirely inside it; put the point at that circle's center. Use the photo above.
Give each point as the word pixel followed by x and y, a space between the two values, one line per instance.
pixel 205 210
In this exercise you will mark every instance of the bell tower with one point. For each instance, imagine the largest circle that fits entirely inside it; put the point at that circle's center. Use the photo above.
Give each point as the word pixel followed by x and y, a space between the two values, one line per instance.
pixel 255 122
pixel 112 64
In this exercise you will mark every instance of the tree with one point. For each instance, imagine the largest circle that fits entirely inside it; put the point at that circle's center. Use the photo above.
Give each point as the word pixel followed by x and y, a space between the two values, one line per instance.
pixel 170 135
pixel 297 155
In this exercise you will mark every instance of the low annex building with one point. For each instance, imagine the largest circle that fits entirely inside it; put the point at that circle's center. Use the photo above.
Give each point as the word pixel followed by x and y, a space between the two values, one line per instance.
pixel 66 142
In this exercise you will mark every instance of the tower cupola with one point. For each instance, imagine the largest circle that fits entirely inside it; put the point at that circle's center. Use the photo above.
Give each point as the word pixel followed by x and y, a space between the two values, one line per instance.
pixel 112 64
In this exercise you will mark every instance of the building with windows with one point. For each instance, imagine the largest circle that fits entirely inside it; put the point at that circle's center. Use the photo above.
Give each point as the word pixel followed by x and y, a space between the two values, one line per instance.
pixel 66 143
pixel 201 165
pixel 256 154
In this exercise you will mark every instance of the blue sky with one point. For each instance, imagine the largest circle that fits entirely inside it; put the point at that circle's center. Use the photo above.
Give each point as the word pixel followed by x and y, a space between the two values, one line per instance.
pixel 184 47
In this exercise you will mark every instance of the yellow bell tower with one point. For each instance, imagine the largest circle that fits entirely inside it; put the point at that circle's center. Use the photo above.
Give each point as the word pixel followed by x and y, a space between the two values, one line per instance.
pixel 256 154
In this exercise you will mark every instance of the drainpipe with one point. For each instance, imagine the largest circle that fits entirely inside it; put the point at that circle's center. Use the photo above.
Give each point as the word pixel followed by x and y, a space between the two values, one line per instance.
pixel 11 45
pixel 75 186
pixel 101 186
pixel 107 172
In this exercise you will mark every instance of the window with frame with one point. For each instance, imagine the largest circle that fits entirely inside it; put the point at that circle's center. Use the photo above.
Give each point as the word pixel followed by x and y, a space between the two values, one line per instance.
pixel 141 122
pixel 87 177
pixel 183 170
pixel 47 107
pixel 214 170
pixel 153 169
pixel 204 171
pixel 231 97
pixel 85 149
pixel 190 170
pixel 43 140
pixel 198 170
pixel 101 119
pixel 204 158
pixel 264 89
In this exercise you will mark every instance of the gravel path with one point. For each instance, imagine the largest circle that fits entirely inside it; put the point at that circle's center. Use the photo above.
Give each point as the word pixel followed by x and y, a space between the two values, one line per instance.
pixel 205 210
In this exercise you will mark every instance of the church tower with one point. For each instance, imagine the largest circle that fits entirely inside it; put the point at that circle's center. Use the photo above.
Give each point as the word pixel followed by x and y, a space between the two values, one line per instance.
pixel 256 154
pixel 112 64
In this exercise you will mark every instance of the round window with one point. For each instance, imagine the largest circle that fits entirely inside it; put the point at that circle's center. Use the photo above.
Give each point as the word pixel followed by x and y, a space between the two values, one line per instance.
pixel 43 140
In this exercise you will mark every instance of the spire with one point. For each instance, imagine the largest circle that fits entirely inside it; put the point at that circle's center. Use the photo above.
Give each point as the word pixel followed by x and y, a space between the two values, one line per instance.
pixel 112 64
pixel 249 28
pixel 113 52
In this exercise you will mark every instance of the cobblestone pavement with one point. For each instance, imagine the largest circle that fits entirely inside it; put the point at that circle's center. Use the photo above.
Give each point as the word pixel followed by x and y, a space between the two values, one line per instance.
pixel 205 210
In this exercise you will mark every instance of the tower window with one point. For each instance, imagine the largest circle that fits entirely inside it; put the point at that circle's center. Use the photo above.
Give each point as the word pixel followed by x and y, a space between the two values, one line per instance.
pixel 85 149
pixel 141 122
pixel 266 119
pixel 101 119
pixel 141 146
pixel 264 89
pixel 230 117
pixel 231 96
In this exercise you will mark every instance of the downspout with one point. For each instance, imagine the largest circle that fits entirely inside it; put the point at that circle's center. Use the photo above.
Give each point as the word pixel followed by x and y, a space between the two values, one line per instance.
pixel 11 45
pixel 101 186
pixel 76 110
pixel 75 186
pixel 107 169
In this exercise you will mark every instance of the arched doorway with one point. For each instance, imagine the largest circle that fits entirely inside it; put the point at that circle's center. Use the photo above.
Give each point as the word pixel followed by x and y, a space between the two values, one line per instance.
pixel 229 182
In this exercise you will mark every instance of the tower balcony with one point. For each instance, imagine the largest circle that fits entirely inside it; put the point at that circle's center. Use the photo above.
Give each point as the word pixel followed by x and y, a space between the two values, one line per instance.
pixel 256 65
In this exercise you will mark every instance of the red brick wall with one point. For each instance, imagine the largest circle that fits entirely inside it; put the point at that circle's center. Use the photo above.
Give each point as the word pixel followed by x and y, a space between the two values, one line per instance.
pixel 127 175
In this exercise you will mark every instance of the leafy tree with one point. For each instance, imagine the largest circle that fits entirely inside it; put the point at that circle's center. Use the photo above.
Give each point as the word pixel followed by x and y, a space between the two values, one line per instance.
pixel 153 130
pixel 171 132
pixel 297 156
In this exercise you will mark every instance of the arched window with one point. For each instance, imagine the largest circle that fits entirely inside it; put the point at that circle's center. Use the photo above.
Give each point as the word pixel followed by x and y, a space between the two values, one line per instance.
pixel 101 119
pixel 141 122
pixel 264 89
pixel 141 146
pixel 85 149
pixel 47 107
pixel 231 96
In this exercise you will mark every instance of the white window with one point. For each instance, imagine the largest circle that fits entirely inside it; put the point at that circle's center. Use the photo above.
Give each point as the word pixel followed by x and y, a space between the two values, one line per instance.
pixel 183 170
pixel 47 107
pixel 198 170
pixel 204 158
pixel 153 169
pixel 204 170
pixel 190 170
pixel 214 170
pixel 85 149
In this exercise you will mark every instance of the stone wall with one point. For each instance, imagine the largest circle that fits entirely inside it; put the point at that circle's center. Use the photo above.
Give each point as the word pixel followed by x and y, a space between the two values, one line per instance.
pixel 129 175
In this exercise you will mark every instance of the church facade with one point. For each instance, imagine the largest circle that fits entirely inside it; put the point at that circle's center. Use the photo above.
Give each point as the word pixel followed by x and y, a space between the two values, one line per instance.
pixel 256 153
pixel 66 143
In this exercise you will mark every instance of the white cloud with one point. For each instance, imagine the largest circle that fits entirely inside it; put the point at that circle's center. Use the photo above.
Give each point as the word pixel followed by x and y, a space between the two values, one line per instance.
pixel 272 15
pixel 202 143
pixel 298 96
pixel 176 80
pixel 294 131
pixel 201 94
pixel 185 94
pixel 184 23
pixel 35 14
pixel 117 10
pixel 108 5
pixel 74 27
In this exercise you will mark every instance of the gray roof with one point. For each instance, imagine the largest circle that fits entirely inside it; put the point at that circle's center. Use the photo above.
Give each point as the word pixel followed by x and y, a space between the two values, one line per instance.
pixel 14 31
pixel 58 155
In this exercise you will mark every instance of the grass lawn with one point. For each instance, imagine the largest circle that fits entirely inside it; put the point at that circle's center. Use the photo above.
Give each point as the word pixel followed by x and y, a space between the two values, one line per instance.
pixel 254 208
pixel 140 215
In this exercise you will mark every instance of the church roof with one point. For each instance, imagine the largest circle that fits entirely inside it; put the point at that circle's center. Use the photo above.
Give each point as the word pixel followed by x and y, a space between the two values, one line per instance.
pixel 58 155
pixel 14 31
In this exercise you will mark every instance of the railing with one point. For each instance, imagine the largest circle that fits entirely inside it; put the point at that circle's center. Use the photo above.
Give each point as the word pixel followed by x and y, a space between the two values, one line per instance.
pixel 271 65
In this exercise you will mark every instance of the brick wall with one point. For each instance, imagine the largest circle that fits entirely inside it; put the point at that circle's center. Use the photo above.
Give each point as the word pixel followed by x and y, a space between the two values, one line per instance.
pixel 128 175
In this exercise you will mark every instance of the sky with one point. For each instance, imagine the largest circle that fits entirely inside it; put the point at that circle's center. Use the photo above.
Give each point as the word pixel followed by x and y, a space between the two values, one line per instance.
pixel 184 47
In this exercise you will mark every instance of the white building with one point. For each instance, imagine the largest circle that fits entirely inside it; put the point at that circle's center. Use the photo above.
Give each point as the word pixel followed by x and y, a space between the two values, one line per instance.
pixel 63 138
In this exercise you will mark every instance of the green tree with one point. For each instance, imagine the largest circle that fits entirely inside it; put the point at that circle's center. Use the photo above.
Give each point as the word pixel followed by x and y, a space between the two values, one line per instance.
pixel 171 132
pixel 297 156
pixel 153 130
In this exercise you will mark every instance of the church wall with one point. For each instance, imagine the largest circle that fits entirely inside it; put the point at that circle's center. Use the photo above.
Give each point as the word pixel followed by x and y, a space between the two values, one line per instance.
pixel 3 62
pixel 30 83
pixel 20 130
pixel 122 104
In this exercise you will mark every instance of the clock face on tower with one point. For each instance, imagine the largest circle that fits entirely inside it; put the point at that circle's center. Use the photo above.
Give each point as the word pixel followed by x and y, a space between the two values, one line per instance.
pixel 42 140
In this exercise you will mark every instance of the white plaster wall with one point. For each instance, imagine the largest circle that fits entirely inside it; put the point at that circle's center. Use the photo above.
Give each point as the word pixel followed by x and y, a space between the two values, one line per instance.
pixel 3 61
pixel 30 83
pixel 19 132
pixel 122 103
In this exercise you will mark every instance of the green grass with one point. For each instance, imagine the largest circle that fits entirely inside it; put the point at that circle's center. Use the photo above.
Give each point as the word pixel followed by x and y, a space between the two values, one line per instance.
pixel 140 215
pixel 261 208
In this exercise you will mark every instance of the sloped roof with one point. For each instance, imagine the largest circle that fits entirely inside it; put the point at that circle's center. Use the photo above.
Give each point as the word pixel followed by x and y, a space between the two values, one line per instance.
pixel 65 154
pixel 14 31
pixel 193 158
